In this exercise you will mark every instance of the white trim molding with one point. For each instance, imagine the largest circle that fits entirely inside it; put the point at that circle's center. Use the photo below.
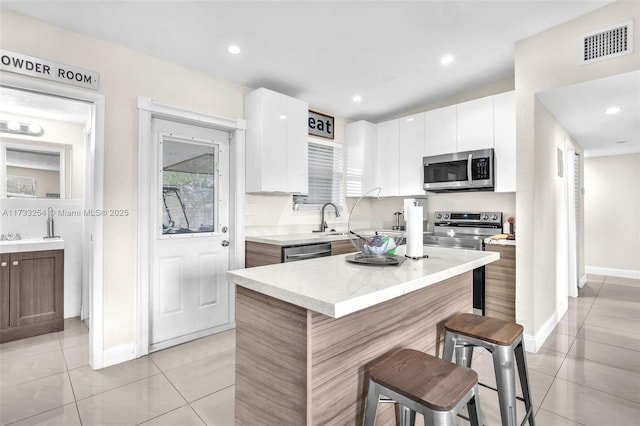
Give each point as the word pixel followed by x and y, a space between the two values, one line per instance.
pixel 535 342
pixel 149 109
pixel 613 272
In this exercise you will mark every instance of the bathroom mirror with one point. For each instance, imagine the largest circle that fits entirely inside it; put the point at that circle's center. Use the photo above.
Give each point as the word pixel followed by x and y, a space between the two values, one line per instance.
pixel 29 171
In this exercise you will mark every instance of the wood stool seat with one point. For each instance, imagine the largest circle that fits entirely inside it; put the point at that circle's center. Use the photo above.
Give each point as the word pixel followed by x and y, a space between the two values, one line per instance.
pixel 488 329
pixel 421 383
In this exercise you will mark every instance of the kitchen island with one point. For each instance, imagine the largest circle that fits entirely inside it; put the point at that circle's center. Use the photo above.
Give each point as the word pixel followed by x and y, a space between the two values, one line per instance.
pixel 306 331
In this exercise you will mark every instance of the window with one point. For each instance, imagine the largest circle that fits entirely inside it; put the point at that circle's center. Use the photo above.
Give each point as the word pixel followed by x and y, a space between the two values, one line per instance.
pixel 325 176
pixel 188 187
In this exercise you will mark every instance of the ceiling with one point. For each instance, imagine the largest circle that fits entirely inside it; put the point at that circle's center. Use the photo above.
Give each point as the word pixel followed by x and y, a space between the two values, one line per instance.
pixel 581 109
pixel 325 52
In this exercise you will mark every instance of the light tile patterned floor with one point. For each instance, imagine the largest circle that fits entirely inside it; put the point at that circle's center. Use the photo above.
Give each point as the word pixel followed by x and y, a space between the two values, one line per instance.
pixel 587 373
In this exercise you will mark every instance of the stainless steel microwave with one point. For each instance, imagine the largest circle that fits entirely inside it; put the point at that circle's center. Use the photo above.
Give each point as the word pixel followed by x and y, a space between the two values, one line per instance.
pixel 460 171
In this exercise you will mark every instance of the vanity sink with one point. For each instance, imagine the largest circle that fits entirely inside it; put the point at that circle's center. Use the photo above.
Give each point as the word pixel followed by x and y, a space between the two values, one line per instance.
pixel 31 244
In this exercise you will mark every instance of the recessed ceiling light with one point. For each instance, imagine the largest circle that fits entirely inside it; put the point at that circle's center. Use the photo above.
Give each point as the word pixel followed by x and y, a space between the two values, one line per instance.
pixel 446 60
pixel 357 98
pixel 283 117
pixel 233 49
pixel 612 110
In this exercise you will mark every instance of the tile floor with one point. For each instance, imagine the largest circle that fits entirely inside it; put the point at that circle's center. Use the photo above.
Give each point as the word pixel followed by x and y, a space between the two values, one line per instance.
pixel 587 373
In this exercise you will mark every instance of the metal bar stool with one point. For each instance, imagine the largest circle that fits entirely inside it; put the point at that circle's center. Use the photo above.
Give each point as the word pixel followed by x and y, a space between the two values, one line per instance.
pixel 421 383
pixel 504 340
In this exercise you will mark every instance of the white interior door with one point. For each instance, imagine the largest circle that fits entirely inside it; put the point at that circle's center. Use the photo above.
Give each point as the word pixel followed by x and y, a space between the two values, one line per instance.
pixel 189 294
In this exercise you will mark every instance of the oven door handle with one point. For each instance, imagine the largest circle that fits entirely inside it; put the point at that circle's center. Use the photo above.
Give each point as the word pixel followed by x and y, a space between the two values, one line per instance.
pixel 470 178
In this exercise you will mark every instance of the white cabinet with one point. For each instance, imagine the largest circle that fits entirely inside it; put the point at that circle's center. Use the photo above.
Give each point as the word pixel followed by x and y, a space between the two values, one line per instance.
pixel 440 131
pixel 412 139
pixel 504 112
pixel 276 143
pixel 360 152
pixel 475 124
pixel 387 167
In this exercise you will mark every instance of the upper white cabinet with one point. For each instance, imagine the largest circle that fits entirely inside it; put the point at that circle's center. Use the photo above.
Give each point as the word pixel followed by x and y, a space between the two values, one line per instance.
pixel 276 142
pixel 475 124
pixel 504 113
pixel 440 131
pixel 387 165
pixel 412 149
pixel 360 152
pixel 389 154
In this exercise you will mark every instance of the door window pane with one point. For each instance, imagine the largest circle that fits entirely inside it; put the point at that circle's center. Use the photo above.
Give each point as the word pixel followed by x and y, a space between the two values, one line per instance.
pixel 188 187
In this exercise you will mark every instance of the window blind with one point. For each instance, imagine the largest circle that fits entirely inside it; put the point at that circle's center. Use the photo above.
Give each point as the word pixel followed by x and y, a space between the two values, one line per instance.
pixel 325 176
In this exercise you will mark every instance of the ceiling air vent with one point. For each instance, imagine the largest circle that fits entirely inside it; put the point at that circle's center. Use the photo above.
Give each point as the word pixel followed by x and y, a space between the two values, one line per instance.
pixel 607 43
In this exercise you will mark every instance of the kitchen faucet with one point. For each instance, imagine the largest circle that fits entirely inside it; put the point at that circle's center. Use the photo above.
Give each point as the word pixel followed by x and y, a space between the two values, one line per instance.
pixel 323 223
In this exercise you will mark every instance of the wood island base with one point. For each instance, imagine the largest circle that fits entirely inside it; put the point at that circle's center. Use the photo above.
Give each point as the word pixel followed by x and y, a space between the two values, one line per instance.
pixel 299 367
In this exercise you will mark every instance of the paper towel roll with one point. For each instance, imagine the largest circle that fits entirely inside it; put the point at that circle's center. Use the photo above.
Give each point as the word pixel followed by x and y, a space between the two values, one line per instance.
pixel 413 216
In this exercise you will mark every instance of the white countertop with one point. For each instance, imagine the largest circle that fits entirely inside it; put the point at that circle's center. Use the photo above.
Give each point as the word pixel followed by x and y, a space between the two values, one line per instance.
pixel 31 244
pixel 505 242
pixel 335 287
pixel 296 239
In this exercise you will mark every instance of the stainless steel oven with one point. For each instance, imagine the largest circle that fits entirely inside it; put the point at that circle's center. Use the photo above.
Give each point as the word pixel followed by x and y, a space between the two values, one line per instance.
pixel 460 171
pixel 466 230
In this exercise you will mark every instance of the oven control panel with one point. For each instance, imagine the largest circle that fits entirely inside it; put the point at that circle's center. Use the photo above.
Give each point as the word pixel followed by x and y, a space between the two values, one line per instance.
pixel 468 217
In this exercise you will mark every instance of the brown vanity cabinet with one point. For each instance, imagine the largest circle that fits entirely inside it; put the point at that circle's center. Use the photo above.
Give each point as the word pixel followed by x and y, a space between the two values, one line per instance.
pixel 31 294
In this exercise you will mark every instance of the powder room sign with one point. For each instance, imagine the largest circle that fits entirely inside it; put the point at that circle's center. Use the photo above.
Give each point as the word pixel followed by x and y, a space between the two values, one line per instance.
pixel 320 125
pixel 48 70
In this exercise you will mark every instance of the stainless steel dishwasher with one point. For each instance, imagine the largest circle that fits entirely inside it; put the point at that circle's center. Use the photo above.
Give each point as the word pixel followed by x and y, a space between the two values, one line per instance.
pixel 307 251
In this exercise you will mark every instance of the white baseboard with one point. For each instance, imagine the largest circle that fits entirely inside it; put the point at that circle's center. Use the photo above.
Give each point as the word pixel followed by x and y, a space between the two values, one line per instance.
pixel 534 343
pixel 582 281
pixel 193 336
pixel 622 273
pixel 118 354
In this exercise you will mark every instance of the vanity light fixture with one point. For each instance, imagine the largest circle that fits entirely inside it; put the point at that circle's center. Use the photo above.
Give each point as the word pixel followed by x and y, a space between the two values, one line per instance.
pixel 356 98
pixel 446 60
pixel 410 119
pixel 21 128
pixel 612 110
pixel 233 49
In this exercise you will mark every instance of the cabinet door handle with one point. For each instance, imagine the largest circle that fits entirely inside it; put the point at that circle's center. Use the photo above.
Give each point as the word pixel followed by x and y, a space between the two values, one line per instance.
pixel 15 263
pixel 3 264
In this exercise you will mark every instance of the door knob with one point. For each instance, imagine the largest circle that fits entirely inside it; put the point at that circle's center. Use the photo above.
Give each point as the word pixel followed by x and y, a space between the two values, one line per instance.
pixel 225 243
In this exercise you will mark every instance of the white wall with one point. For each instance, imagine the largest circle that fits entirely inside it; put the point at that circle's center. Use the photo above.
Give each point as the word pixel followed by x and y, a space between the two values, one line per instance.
pixel 124 75
pixel 612 214
pixel 545 61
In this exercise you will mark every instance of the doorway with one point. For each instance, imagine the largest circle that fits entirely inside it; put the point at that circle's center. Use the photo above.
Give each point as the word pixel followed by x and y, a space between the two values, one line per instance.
pixel 190 221
pixel 84 274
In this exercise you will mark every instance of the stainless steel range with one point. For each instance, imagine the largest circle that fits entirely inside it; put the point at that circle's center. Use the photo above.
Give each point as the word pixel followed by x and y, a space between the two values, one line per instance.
pixel 466 230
